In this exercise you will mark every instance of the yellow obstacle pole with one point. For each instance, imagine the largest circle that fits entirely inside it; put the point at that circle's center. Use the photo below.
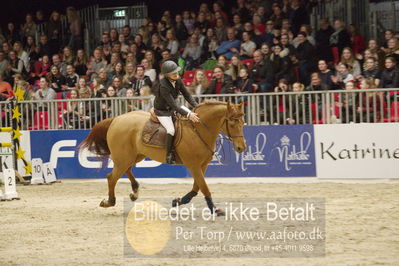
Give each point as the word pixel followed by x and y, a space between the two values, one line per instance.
pixel 5 144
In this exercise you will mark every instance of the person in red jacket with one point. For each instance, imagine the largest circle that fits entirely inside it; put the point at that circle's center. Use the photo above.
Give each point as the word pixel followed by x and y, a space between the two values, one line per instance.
pixel 5 89
pixel 358 42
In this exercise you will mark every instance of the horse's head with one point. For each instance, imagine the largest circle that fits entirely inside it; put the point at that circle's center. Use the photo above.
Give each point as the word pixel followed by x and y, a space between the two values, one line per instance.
pixel 233 126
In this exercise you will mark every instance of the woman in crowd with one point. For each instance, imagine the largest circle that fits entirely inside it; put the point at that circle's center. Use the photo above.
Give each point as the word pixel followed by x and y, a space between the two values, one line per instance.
pixel 41 68
pixel 129 74
pixel 349 59
pixel 375 49
pixel 105 79
pixel 113 61
pixel 266 51
pixel 222 61
pixel 247 46
pixel 281 65
pixel 81 63
pixel 118 71
pixel 22 54
pixel 200 83
pixel 358 42
pixel 156 46
pixel 192 53
pixel 31 50
pixel 370 70
pixel 325 73
pixel 244 82
pixel 54 31
pixel 370 102
pixel 113 35
pixel 308 30
pixel 45 92
pixel 68 56
pixel 220 30
pixel 143 31
pixel 150 57
pixel 75 28
pixel 209 45
pixel 393 49
pixel 148 70
pixel 342 76
pixel 71 115
pixel 140 80
pixel 234 69
pixel 124 45
pixel 55 78
pixel 16 66
pixel 171 42
pixel 109 106
pixel 148 103
pixel 390 75
pixel 347 103
pixel 117 85
pixel 96 87
pixel 131 59
pixel 131 104
pixel 29 27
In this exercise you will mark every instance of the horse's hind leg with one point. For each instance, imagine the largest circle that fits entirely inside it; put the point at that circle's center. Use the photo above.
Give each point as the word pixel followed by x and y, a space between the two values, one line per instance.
pixel 135 185
pixel 112 178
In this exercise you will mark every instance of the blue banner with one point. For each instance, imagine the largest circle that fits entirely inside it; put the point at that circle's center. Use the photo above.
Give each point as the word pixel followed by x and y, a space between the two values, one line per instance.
pixel 272 151
pixel 60 148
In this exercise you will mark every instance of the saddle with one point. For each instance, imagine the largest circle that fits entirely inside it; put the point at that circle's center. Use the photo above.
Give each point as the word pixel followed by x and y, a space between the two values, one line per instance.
pixel 154 133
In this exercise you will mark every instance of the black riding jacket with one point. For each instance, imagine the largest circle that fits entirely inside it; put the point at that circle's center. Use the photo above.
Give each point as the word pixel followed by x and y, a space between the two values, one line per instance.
pixel 166 94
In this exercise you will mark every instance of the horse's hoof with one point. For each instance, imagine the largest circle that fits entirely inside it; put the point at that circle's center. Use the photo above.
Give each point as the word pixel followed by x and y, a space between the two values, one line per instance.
pixel 176 202
pixel 105 203
pixel 219 212
pixel 133 197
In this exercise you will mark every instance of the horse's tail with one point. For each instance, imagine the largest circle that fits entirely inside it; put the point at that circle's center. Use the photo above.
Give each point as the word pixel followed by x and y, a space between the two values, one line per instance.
pixel 96 142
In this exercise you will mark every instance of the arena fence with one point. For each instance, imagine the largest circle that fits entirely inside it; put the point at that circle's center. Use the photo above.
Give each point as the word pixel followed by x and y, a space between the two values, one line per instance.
pixel 316 107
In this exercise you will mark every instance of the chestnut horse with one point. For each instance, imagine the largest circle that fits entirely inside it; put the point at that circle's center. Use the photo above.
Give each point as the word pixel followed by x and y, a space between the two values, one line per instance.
pixel 120 138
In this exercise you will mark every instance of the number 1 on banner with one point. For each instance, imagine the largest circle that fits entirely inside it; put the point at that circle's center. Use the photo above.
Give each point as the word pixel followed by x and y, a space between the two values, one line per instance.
pixel 10 191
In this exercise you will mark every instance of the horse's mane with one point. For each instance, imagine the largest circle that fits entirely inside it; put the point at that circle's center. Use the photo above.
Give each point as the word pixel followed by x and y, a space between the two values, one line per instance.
pixel 209 102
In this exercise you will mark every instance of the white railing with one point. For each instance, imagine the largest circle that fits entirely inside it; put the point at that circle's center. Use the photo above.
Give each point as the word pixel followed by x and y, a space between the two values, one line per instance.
pixel 324 107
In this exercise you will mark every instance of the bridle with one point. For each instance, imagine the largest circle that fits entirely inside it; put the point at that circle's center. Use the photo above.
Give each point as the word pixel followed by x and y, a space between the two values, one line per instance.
pixel 226 121
pixel 229 137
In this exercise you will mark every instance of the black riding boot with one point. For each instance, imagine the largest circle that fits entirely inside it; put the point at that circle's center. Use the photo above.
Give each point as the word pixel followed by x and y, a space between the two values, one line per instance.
pixel 170 155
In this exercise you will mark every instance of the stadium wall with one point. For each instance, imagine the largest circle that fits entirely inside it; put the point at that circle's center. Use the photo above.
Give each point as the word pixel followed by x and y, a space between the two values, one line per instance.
pixel 322 151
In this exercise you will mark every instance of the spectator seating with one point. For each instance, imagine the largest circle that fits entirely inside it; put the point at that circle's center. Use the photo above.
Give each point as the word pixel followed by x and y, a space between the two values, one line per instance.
pixel 189 75
pixel 249 63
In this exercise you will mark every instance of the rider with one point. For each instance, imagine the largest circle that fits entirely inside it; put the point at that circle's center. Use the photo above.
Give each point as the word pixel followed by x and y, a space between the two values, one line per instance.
pixel 165 103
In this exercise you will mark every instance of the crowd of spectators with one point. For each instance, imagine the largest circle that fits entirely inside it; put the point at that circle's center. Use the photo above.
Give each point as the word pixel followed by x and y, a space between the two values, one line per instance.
pixel 255 46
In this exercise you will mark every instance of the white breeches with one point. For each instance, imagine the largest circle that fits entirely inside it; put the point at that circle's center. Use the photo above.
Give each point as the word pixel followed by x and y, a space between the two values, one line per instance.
pixel 167 123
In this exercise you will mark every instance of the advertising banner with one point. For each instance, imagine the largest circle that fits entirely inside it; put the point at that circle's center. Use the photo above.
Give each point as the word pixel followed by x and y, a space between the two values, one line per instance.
pixel 60 148
pixel 357 150
pixel 272 151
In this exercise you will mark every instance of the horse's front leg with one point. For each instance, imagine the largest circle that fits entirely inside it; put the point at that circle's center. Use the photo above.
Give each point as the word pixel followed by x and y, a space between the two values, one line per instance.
pixel 199 179
pixel 186 198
